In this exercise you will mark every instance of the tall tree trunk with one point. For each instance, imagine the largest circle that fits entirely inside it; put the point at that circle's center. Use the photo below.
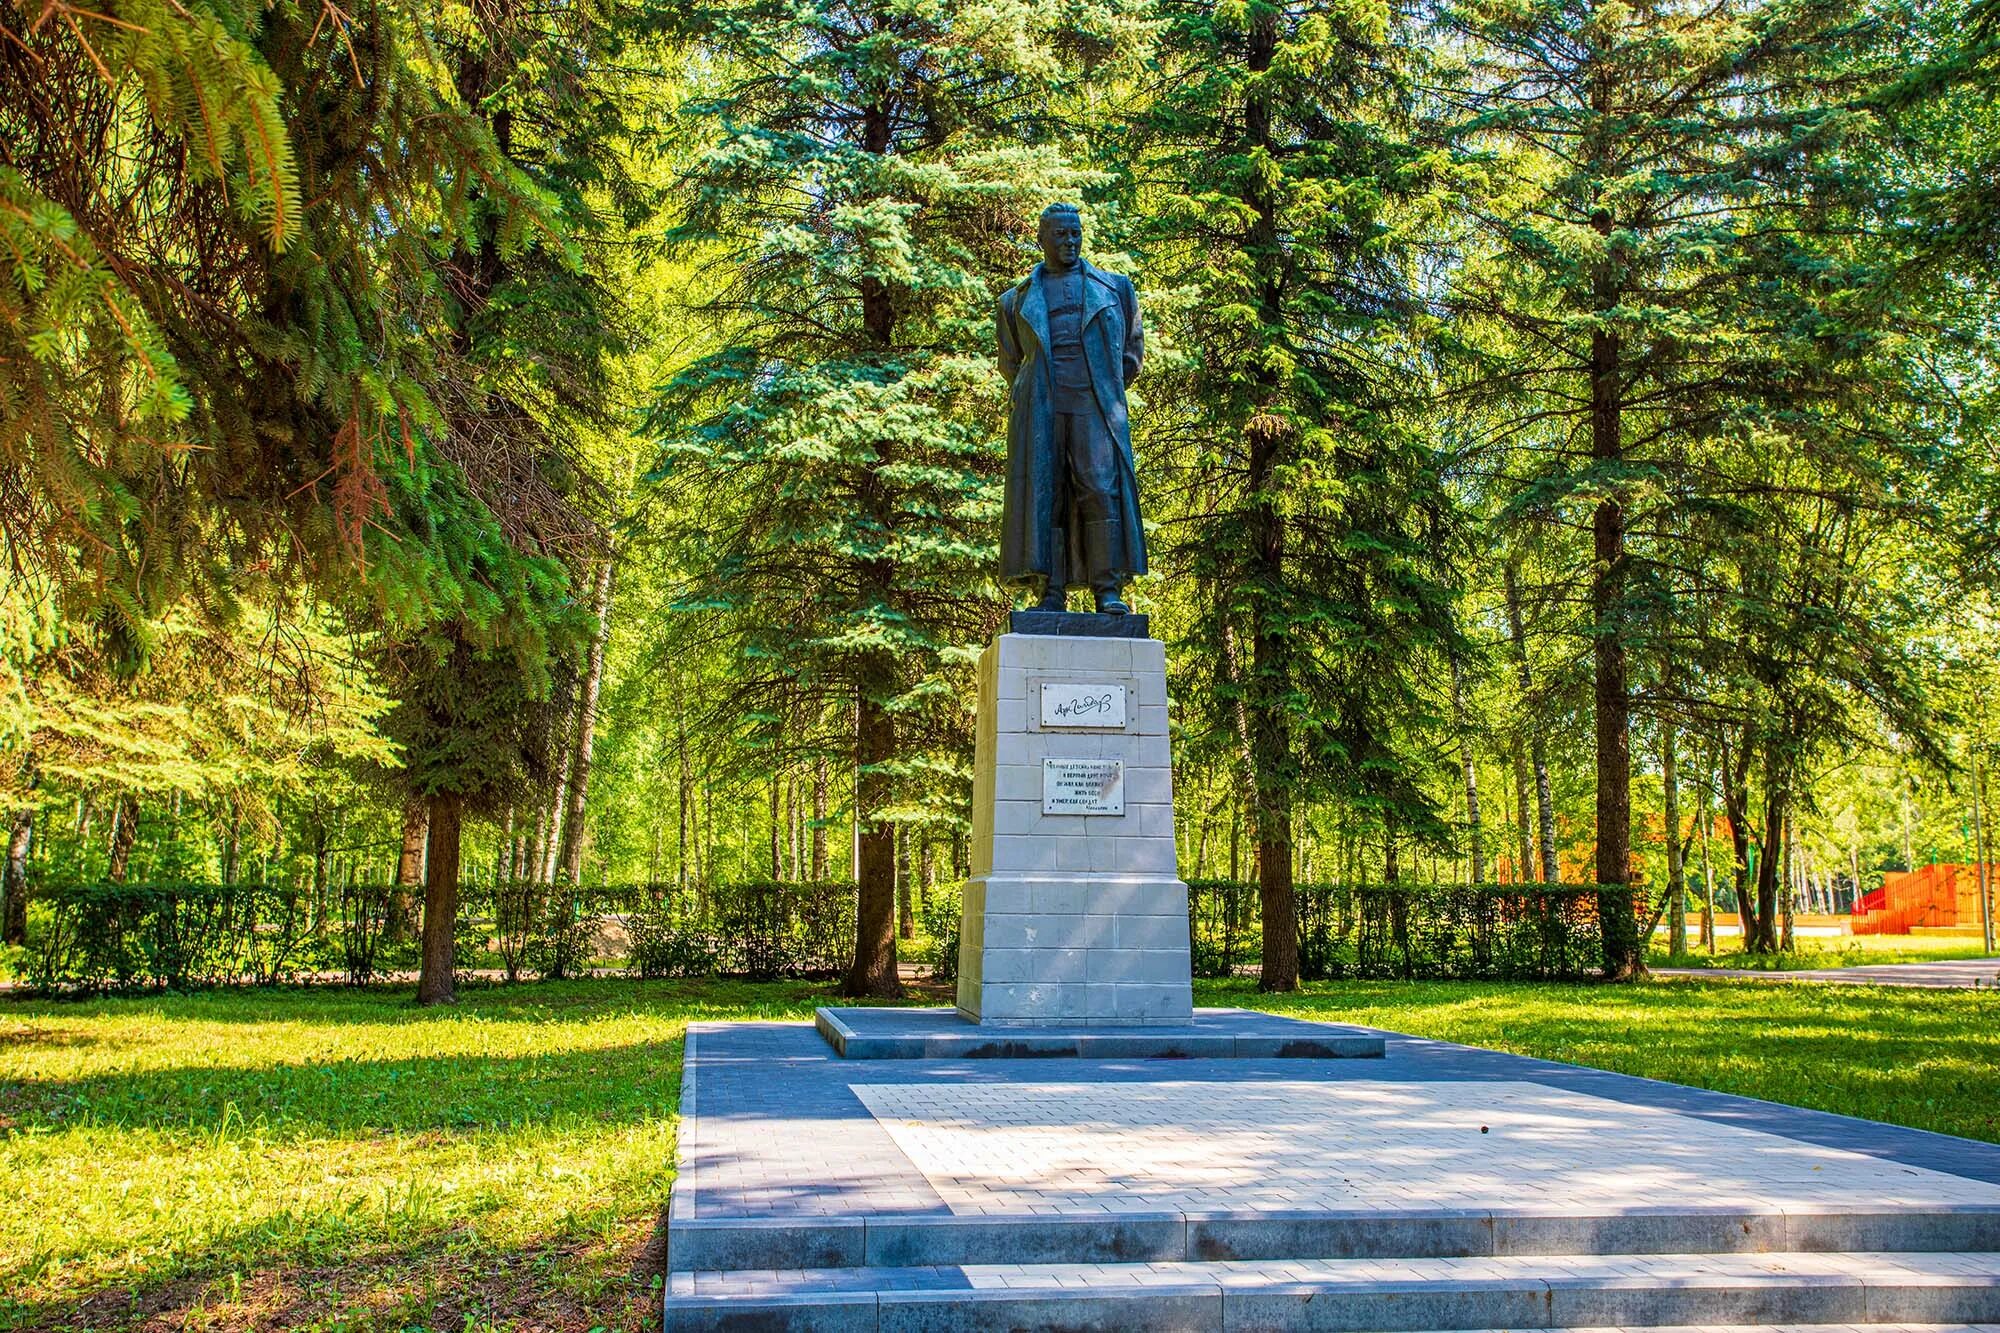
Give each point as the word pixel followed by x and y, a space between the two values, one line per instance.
pixel 409 868
pixel 232 842
pixel 1677 926
pixel 1770 863
pixel 926 876
pixel 1538 741
pixel 1735 776
pixel 681 845
pixel 538 845
pixel 435 984
pixel 777 831
pixel 873 972
pixel 571 860
pixel 819 822
pixel 1473 832
pixel 795 831
pixel 503 865
pixel 1524 854
pixel 124 832
pixel 1265 433
pixel 1615 915
pixel 558 809
pixel 14 888
pixel 1707 873
pixel 906 907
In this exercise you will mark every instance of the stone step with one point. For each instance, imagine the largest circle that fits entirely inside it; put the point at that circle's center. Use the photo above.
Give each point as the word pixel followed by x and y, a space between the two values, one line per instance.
pixel 921 1239
pixel 1387 1295
pixel 1212 1034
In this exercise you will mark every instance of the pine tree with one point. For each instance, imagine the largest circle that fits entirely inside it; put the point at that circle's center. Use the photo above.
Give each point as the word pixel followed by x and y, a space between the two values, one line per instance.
pixel 868 196
pixel 1320 532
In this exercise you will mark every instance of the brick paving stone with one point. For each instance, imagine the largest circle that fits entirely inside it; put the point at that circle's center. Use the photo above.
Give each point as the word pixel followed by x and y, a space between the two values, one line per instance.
pixel 1171 1144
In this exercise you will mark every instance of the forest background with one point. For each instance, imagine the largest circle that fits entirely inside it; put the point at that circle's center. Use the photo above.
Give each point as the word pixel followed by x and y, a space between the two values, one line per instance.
pixel 464 442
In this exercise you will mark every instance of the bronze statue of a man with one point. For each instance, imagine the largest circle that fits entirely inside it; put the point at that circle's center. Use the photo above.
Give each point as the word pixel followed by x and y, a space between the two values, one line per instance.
pixel 1069 344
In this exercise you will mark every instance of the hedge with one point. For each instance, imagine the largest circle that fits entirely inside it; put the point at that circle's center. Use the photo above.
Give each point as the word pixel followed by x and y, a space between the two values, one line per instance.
pixel 1540 932
pixel 114 937
pixel 181 936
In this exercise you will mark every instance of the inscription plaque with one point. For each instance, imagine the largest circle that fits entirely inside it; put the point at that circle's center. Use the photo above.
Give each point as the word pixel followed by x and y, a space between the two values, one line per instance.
pixel 1083 786
pixel 1072 704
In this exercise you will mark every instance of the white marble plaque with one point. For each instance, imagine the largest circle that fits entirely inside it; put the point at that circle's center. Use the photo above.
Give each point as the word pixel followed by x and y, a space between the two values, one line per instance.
pixel 1083 786
pixel 1073 704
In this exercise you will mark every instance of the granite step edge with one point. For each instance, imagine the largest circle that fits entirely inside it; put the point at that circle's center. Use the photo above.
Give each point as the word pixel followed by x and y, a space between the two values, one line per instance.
pixel 1171 1236
pixel 1212 1297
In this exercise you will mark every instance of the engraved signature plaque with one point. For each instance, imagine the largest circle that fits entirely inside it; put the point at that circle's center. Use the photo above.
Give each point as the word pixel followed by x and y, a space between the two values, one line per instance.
pixel 1083 786
pixel 1073 704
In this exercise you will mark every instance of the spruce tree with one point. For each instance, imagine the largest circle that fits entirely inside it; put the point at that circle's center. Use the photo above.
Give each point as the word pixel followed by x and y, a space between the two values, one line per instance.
pixel 867 198
pixel 1273 170
pixel 1640 162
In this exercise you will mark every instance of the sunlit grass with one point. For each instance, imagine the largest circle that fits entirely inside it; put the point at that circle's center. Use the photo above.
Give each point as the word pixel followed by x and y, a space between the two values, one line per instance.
pixel 1924 1058
pixel 1817 952
pixel 335 1159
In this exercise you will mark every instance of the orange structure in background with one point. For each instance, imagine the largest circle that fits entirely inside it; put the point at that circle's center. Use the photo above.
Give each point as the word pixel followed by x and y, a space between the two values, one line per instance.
pixel 1928 897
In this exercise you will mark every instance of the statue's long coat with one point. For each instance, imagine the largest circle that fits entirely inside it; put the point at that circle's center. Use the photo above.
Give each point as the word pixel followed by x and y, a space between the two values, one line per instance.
pixel 1113 346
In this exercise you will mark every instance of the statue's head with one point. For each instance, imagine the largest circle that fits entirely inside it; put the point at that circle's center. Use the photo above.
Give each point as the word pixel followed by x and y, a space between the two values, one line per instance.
pixel 1061 236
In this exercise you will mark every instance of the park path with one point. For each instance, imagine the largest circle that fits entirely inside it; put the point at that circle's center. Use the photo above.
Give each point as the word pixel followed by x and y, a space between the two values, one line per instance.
pixel 1954 973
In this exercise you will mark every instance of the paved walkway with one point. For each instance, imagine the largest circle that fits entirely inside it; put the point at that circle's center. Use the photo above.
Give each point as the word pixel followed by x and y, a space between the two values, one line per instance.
pixel 776 1126
pixel 1956 973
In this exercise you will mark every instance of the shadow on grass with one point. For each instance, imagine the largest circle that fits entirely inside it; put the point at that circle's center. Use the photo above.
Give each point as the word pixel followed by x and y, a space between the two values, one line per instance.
pixel 395 1003
pixel 447 1282
pixel 347 1097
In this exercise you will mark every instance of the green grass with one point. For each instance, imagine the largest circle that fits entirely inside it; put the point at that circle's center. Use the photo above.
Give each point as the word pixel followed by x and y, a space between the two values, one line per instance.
pixel 335 1159
pixel 1924 1058
pixel 1846 951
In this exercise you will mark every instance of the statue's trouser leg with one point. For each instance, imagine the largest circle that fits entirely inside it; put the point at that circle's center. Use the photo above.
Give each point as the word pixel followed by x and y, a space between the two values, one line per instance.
pixel 1093 478
pixel 1055 585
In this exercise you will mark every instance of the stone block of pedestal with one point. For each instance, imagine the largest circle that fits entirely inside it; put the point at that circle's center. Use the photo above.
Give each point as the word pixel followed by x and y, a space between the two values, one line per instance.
pixel 1075 912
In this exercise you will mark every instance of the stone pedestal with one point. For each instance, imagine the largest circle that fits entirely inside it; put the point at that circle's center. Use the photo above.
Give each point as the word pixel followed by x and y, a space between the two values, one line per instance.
pixel 1075 912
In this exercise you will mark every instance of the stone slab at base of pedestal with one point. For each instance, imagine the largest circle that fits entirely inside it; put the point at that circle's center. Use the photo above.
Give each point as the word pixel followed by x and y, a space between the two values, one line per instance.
pixel 1073 918
pixel 1212 1034
pixel 1078 624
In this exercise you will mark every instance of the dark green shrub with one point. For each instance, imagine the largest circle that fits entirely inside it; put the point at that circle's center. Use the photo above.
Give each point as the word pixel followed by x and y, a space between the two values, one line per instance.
pixel 666 942
pixel 1225 926
pixel 938 918
pixel 770 929
pixel 1476 932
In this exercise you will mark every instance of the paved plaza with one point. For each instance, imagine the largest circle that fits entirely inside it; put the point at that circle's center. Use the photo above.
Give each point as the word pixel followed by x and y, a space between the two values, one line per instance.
pixel 1370 1144
pixel 1439 1186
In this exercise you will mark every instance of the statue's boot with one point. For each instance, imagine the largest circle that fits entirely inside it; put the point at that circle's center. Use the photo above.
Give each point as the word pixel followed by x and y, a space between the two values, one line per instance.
pixel 1105 585
pixel 1055 588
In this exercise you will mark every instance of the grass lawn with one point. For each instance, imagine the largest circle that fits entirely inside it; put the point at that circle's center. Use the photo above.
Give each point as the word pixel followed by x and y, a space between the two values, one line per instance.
pixel 1845 951
pixel 334 1159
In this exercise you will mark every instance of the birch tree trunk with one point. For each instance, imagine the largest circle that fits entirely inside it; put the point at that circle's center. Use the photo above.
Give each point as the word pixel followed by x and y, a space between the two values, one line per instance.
pixel 14 888
pixel 1474 833
pixel 1545 805
pixel 819 822
pixel 1677 926
pixel 1525 869
pixel 571 860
